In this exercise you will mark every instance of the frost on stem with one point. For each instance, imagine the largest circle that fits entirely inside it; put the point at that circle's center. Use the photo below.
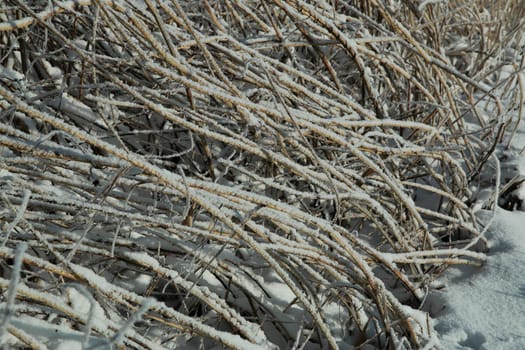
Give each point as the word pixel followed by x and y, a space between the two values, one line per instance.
pixel 9 307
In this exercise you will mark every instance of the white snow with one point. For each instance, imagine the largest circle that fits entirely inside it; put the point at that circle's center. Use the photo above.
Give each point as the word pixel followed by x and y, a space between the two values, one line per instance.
pixel 484 307
pixel 519 192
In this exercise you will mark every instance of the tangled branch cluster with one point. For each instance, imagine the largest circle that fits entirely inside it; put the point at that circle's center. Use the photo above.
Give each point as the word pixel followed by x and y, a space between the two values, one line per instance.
pixel 246 173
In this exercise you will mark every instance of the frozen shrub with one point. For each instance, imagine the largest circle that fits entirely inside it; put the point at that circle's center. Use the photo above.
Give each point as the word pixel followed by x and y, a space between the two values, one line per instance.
pixel 246 173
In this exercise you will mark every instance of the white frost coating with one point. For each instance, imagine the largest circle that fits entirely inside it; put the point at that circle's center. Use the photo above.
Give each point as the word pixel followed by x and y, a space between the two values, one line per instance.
pixel 337 319
pixel 53 336
pixel 79 301
pixel 54 72
pixel 425 3
pixel 19 215
pixel 144 259
pixel 68 345
pixel 11 293
pixel 133 280
pixel 233 341
pixel 103 326
pixel 483 197
pixel 519 192
pixel 82 301
pixel 73 107
pixel 137 316
pixel 253 330
pixel 13 77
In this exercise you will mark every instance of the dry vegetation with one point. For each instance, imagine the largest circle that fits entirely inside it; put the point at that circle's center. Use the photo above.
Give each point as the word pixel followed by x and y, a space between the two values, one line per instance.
pixel 244 173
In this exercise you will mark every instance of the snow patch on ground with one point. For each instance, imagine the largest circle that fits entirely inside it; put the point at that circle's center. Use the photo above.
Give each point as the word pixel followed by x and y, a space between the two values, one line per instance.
pixel 484 307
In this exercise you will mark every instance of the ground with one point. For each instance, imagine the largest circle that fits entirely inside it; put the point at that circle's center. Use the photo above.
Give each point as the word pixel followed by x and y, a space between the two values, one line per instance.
pixel 484 307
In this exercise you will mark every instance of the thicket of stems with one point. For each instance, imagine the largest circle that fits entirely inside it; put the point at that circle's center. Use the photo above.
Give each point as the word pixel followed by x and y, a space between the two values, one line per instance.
pixel 259 164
